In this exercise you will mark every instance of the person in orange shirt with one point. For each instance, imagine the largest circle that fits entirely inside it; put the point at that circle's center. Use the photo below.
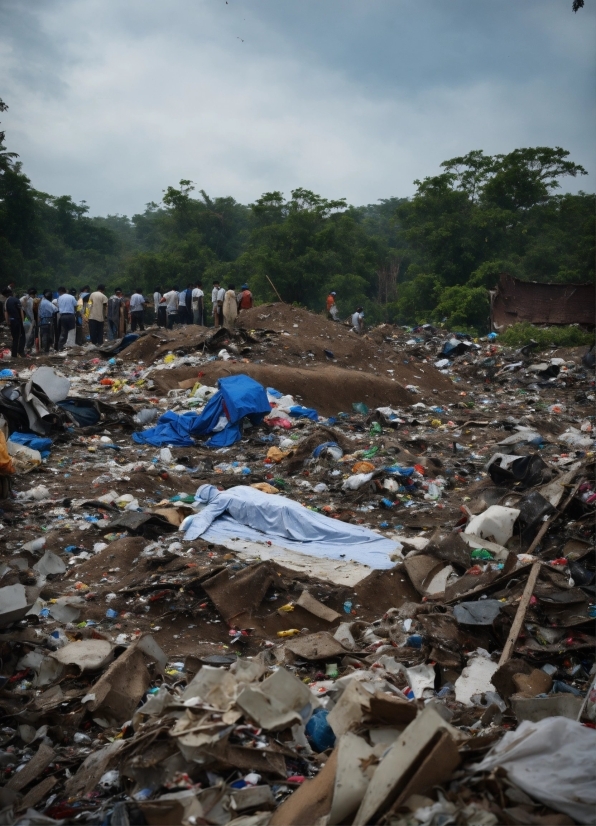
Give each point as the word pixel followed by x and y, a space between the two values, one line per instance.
pixel 332 307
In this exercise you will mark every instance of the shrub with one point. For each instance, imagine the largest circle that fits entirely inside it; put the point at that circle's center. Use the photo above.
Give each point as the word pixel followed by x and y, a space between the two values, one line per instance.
pixel 565 336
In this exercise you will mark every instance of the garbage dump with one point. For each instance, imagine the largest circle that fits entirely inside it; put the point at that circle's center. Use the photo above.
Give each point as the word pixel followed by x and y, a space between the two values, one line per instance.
pixel 288 574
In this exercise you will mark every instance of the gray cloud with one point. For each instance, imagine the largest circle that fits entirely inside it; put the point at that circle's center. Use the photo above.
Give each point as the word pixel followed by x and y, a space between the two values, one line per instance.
pixel 113 101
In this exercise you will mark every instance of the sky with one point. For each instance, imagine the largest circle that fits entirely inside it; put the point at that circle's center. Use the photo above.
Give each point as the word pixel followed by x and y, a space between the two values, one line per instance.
pixel 111 101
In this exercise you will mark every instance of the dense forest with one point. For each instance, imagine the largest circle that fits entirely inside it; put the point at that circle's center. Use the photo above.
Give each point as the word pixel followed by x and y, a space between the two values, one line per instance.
pixel 431 257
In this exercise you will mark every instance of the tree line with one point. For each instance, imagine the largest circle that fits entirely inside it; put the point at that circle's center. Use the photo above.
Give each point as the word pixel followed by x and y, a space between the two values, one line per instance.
pixel 430 257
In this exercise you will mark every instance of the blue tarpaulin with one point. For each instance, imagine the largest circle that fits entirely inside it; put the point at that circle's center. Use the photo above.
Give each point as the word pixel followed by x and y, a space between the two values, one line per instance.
pixel 33 441
pixel 238 396
pixel 299 412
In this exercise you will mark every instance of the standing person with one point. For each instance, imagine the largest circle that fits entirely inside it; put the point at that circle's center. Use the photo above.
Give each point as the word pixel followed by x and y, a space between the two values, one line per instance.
pixel 197 304
pixel 214 302
pixel 170 299
pixel 182 319
pixel 72 334
pixel 115 314
pixel 230 308
pixel 67 307
pixel 188 303
pixel 84 294
pixel 332 307
pixel 245 301
pixel 28 305
pixel 45 317
pixel 221 294
pixel 160 309
pixel 13 315
pixel 10 286
pixel 137 305
pixel 358 321
pixel 98 304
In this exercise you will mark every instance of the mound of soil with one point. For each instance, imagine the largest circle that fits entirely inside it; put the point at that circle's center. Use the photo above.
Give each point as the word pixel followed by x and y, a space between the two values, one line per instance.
pixel 159 342
pixel 327 388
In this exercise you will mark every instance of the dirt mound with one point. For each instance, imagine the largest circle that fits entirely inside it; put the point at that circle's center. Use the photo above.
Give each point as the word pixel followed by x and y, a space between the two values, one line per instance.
pixel 158 342
pixel 327 388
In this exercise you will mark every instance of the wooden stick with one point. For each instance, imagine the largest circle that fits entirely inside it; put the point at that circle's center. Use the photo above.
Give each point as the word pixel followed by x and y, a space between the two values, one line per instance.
pixel 521 614
pixel 274 289
pixel 546 525
pixel 529 589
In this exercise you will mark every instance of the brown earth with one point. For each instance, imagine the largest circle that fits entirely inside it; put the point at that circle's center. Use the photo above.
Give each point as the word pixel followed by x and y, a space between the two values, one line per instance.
pixel 327 388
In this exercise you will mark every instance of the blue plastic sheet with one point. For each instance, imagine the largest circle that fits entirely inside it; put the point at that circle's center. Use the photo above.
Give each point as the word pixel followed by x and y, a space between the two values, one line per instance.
pixel 299 412
pixel 238 396
pixel 32 441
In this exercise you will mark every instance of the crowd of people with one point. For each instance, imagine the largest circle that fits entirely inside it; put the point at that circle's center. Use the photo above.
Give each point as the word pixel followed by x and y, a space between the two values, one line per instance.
pixel 65 318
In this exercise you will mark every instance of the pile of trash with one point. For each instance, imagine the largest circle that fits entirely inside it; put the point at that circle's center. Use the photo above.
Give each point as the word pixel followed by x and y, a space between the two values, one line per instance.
pixel 224 599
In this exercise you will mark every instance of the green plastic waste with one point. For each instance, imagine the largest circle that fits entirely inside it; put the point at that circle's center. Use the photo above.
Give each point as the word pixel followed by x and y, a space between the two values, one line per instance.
pixel 360 407
pixel 375 429
pixel 481 553
pixel 368 454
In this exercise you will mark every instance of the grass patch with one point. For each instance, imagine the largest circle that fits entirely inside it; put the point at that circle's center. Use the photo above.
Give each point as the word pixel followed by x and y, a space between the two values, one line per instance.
pixel 565 336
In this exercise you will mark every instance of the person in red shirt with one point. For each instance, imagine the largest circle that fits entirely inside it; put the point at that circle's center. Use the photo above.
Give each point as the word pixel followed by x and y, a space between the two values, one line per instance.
pixel 244 298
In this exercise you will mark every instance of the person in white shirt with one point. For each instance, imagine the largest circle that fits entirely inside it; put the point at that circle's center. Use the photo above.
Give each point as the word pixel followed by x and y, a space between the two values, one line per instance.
pixel 137 304
pixel 221 294
pixel 170 299
pixel 160 309
pixel 197 304
pixel 230 308
pixel 182 319
pixel 217 306
pixel 358 321
pixel 67 307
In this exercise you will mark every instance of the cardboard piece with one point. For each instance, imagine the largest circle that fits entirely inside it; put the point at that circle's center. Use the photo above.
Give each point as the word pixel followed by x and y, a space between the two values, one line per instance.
pixel 536 682
pixel 313 606
pixel 405 769
pixel 119 690
pixel 91 769
pixel 387 708
pixel 538 708
pixel 350 778
pixel 311 801
pixel 278 702
pixel 33 769
pixel 319 646
pixel 351 707
pixel 85 655
pixel 14 603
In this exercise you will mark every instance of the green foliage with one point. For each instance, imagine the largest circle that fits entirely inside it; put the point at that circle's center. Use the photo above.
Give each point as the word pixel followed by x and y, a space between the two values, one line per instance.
pixel 571 336
pixel 463 306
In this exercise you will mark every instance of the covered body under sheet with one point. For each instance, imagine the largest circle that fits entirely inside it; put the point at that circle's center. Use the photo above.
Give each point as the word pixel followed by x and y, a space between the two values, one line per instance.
pixel 245 513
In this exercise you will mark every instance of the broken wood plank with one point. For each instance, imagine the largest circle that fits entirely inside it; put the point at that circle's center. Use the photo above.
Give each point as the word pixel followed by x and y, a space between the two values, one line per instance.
pixel 40 761
pixel 520 614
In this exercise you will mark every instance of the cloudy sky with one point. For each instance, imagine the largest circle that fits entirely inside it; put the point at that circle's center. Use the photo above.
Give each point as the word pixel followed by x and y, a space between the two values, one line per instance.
pixel 113 100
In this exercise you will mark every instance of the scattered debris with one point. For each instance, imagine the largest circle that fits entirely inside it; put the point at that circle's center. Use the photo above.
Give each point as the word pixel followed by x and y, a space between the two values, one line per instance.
pixel 285 575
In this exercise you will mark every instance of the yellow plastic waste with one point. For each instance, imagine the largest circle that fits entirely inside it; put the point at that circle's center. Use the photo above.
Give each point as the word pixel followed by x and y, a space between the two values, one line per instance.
pixel 265 487
pixel 286 608
pixel 169 358
pixel 276 455
pixel 6 465
pixel 363 467
pixel 290 633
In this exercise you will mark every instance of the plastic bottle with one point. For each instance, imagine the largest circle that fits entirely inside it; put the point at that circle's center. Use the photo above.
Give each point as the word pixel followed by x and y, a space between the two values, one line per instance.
pixel 348 606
